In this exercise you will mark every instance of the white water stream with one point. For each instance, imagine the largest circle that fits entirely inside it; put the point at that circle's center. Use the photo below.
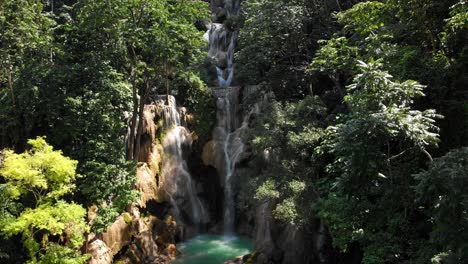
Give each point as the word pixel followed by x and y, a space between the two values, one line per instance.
pixel 177 181
pixel 222 43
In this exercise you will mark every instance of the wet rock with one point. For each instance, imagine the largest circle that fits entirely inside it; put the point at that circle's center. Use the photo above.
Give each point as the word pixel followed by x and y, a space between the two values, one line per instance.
pixel 186 119
pixel 291 242
pixel 237 260
pixel 165 231
pixel 263 239
pixel 210 155
pixel 145 247
pixel 171 251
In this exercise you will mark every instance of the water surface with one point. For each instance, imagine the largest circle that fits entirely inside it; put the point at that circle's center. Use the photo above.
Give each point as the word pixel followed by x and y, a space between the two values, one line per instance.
pixel 212 249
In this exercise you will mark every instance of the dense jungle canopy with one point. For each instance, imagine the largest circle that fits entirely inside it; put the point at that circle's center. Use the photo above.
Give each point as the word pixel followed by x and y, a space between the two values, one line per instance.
pixel 353 118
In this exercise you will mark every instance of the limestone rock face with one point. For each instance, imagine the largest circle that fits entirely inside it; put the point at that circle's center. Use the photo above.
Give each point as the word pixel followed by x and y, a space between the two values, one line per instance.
pixel 146 185
pixel 292 243
pixel 263 239
pixel 210 155
pixel 171 251
pixel 134 238
pixel 117 235
pixel 287 243
pixel 150 157
pixel 100 253
pixel 165 232
pixel 148 132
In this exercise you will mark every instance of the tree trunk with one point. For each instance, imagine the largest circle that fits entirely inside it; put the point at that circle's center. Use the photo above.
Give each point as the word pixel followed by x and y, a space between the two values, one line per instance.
pixel 10 81
pixel 131 138
pixel 166 72
pixel 167 91
pixel 338 87
pixel 51 51
pixel 143 97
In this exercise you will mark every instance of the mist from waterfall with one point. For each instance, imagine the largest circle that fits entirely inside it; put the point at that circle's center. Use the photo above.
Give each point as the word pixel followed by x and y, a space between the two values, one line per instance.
pixel 177 181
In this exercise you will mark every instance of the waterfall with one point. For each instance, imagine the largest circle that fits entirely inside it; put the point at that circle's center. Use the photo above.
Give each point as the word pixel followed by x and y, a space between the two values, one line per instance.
pixel 228 134
pixel 177 181
pixel 222 43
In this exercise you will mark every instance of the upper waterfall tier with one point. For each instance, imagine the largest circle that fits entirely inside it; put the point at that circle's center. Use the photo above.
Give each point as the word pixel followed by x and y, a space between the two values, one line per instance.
pixel 222 41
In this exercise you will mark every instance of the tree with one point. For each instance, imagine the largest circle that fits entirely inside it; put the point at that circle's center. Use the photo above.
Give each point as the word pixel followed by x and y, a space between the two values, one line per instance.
pixel 156 39
pixel 412 38
pixel 277 41
pixel 52 229
pixel 283 141
pixel 375 147
pixel 442 191
pixel 25 41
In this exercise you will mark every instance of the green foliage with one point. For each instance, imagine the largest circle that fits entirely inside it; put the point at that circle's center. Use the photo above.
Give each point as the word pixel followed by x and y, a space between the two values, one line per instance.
pixel 111 186
pixel 373 94
pixel 363 18
pixel 105 217
pixel 283 139
pixel 57 254
pixel 273 44
pixel 380 113
pixel 413 38
pixel 42 171
pixel 456 27
pixel 383 137
pixel 55 219
pixel 267 190
pixel 25 38
pixel 336 58
pixel 441 189
pixel 458 16
pixel 195 95
pixel 374 147
pixel 74 94
pixel 148 42
pixel 46 175
pixel 334 55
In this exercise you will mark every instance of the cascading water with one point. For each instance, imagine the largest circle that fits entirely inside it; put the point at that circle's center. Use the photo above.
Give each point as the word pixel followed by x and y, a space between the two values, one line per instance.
pixel 222 43
pixel 232 148
pixel 226 139
pixel 229 135
pixel 215 249
pixel 177 181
